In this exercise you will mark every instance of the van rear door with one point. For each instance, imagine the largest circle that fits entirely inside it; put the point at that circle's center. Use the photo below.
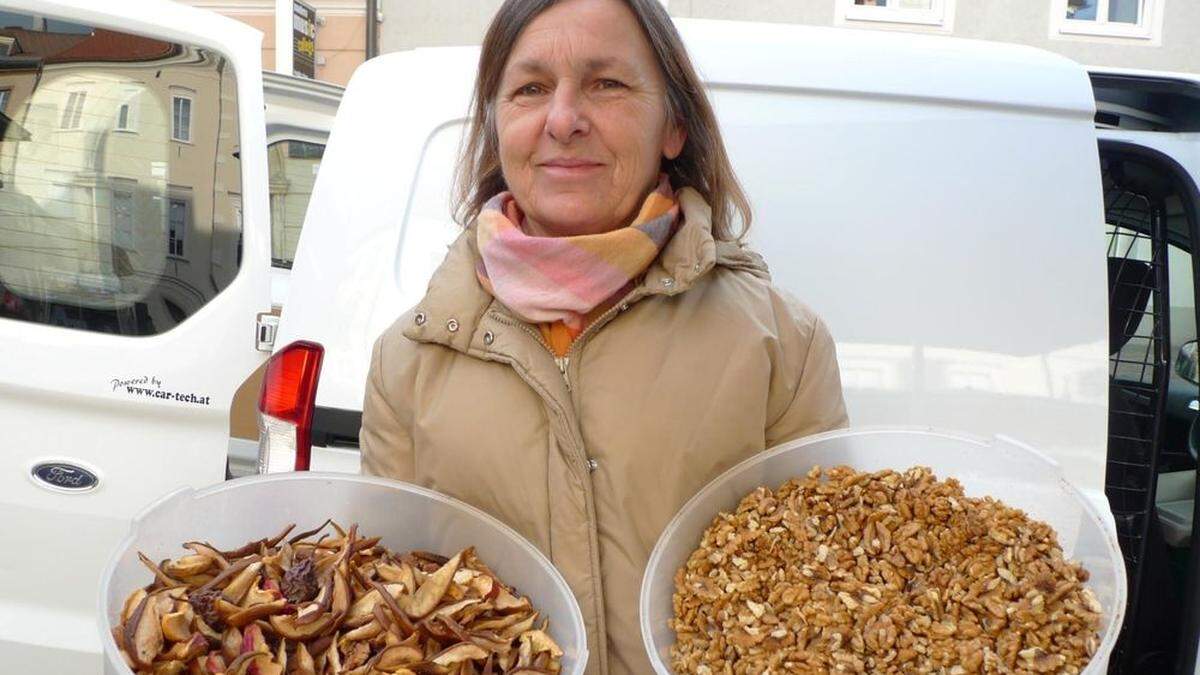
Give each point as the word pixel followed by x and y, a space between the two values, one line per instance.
pixel 1147 124
pixel 134 256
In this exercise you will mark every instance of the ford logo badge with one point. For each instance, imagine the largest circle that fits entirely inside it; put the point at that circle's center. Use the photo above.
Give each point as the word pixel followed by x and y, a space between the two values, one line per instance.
pixel 64 477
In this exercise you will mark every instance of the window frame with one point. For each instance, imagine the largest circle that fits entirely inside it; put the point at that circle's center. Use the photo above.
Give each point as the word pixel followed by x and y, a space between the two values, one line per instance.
pixel 1148 27
pixel 175 97
pixel 71 118
pixel 129 104
pixel 123 191
pixel 939 15
pixel 176 239
pixel 272 143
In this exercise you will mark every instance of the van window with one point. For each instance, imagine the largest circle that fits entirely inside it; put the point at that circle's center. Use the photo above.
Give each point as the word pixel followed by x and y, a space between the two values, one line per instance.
pixel 119 178
pixel 293 168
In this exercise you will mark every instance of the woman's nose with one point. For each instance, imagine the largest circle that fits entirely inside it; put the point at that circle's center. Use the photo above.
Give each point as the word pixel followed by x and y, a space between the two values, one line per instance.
pixel 566 119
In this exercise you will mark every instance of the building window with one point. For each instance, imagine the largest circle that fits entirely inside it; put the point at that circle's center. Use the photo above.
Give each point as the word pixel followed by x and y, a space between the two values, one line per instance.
pixel 1112 18
pixel 73 111
pixel 177 225
pixel 936 13
pixel 181 118
pixel 4 94
pixel 122 219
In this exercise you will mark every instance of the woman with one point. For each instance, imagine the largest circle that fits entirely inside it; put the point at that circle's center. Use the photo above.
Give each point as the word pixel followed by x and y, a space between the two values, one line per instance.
pixel 596 346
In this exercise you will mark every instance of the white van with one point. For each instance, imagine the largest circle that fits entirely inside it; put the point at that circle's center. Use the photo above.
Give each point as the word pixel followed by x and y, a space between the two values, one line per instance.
pixel 999 240
pixel 139 174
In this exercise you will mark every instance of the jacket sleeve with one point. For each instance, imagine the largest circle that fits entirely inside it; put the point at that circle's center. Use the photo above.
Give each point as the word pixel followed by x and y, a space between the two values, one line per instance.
pixel 385 439
pixel 809 398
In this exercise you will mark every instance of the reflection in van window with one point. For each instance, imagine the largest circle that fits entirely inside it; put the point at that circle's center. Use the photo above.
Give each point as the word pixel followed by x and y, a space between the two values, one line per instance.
pixel 107 222
pixel 293 169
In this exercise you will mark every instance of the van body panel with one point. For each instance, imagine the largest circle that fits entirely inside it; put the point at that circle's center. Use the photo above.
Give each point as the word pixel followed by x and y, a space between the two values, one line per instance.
pixel 135 411
pixel 946 220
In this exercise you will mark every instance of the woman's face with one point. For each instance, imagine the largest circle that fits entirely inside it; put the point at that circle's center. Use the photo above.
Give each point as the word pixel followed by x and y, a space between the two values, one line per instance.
pixel 582 119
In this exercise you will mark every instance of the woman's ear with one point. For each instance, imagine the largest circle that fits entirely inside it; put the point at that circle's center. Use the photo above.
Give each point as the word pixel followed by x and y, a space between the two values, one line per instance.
pixel 673 140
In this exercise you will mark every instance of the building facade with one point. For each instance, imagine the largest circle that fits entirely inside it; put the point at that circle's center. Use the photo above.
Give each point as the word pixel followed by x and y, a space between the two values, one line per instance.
pixel 339 33
pixel 1150 34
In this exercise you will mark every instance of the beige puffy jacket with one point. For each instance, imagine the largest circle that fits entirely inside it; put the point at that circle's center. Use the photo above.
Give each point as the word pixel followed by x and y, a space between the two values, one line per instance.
pixel 703 364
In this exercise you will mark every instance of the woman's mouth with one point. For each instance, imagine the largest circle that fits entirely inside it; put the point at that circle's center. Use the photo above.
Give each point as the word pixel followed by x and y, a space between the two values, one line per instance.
pixel 569 167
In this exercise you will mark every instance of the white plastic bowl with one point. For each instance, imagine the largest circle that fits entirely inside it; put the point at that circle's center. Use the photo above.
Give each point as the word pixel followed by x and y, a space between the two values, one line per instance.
pixel 407 517
pixel 1005 469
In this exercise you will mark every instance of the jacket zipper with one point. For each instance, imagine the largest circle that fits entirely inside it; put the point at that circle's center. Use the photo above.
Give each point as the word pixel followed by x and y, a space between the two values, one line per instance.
pixel 594 326
pixel 561 361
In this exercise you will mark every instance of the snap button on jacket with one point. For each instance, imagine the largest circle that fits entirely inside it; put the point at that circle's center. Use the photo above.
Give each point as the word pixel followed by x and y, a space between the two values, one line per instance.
pixel 589 458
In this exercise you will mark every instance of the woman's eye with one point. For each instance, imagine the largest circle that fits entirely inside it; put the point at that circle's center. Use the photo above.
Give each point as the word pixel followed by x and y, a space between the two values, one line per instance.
pixel 528 90
pixel 610 84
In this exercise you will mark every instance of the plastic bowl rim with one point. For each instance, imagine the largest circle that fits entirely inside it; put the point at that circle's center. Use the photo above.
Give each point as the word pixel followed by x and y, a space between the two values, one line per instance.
pixel 110 645
pixel 1114 550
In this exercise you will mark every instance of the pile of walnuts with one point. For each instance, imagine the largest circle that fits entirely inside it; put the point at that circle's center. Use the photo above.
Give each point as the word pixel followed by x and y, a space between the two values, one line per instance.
pixel 882 572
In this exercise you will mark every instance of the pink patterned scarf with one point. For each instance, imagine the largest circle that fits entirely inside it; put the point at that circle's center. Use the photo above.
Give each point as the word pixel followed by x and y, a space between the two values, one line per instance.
pixel 546 280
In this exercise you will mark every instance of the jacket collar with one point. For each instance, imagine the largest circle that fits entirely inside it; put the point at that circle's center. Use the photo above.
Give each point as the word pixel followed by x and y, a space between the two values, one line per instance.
pixel 455 303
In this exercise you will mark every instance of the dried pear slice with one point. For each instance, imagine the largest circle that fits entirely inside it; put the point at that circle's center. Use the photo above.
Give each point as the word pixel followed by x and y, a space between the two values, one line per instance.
pixel 541 642
pixel 144 638
pixel 430 593
pixel 463 651
pixel 177 626
pixel 186 651
pixel 396 656
pixel 252 614
pixel 285 625
pixel 131 603
pixel 231 644
pixel 304 661
pixel 174 667
pixel 188 565
pixel 363 608
pixel 237 589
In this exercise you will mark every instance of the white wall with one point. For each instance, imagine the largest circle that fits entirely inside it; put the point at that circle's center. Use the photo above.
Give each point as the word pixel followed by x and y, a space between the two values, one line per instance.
pixel 420 23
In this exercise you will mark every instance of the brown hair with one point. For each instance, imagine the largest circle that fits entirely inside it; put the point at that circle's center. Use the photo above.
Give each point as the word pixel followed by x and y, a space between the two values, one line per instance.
pixel 703 163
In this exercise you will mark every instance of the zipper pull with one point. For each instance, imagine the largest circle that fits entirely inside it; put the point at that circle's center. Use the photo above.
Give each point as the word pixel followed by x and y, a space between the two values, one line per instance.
pixel 563 362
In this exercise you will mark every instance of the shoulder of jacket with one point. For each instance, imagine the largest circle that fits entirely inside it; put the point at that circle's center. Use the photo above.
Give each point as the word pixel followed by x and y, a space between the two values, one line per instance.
pixel 394 351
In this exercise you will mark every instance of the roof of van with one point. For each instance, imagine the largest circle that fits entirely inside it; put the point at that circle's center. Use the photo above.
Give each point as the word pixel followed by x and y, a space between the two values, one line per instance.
pixel 907 65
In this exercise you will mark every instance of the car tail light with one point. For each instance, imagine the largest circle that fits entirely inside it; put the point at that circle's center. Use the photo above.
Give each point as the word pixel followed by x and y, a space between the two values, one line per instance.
pixel 285 407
